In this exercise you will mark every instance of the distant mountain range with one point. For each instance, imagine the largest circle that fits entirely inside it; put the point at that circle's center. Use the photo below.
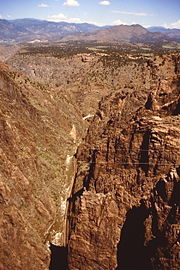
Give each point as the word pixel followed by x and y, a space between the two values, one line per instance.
pixel 171 33
pixel 130 33
pixel 25 30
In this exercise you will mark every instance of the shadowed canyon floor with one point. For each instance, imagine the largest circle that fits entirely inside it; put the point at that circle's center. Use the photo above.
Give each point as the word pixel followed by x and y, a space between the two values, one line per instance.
pixel 89 168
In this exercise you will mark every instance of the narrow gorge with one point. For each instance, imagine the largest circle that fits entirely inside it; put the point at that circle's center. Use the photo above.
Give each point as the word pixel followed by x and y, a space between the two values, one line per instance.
pixel 89 167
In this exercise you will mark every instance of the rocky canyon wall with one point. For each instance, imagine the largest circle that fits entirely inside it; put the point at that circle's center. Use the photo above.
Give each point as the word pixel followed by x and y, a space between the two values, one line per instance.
pixel 37 139
pixel 124 208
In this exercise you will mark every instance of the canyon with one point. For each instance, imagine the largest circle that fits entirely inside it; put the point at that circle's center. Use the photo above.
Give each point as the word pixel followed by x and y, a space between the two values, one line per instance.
pixel 89 157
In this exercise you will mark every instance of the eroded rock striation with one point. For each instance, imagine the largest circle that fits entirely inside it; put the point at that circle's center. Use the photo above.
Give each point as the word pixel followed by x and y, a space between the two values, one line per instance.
pixel 124 208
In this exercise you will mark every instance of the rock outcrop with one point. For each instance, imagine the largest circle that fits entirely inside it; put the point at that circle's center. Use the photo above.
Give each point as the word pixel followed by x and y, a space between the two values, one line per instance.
pixel 124 208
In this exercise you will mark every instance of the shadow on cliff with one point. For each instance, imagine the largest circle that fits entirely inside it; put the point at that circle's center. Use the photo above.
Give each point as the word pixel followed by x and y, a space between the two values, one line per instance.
pixel 132 254
pixel 58 258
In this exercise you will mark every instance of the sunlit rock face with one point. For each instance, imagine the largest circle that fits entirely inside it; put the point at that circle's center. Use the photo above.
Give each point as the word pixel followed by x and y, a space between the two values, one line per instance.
pixel 36 168
pixel 124 208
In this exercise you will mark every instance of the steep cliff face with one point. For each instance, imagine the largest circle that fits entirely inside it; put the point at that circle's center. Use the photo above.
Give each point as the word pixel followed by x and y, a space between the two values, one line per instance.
pixel 39 132
pixel 123 212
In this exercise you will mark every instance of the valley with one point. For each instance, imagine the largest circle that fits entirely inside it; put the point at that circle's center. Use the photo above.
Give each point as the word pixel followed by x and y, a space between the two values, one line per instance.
pixel 89 135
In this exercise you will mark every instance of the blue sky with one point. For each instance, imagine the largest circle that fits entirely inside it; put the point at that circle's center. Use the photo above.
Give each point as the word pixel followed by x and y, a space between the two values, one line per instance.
pixel 145 12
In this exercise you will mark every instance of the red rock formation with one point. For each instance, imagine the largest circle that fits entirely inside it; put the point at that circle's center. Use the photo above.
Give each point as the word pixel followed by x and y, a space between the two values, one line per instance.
pixel 123 211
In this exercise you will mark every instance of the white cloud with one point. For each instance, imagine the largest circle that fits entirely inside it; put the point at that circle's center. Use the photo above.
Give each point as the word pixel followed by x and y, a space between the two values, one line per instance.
pixel 143 14
pixel 61 17
pixel 72 3
pixel 175 24
pixel 96 23
pixel 118 22
pixel 146 25
pixel 43 5
pixel 105 3
pixel 57 17
pixel 6 17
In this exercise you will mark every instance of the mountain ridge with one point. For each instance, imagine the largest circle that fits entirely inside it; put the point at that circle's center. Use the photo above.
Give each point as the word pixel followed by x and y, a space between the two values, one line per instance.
pixel 130 33
pixel 28 29
pixel 24 30
pixel 170 32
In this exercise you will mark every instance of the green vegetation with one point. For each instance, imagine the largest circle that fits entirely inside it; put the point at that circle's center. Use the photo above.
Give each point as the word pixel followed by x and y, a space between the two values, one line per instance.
pixel 116 52
pixel 55 51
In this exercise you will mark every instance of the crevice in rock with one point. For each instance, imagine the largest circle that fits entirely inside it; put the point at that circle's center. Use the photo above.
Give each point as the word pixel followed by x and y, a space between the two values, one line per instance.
pixel 177 109
pixel 161 190
pixel 132 253
pixel 91 169
pixel 149 102
pixel 58 258
pixel 158 161
pixel 107 151
pixel 144 152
